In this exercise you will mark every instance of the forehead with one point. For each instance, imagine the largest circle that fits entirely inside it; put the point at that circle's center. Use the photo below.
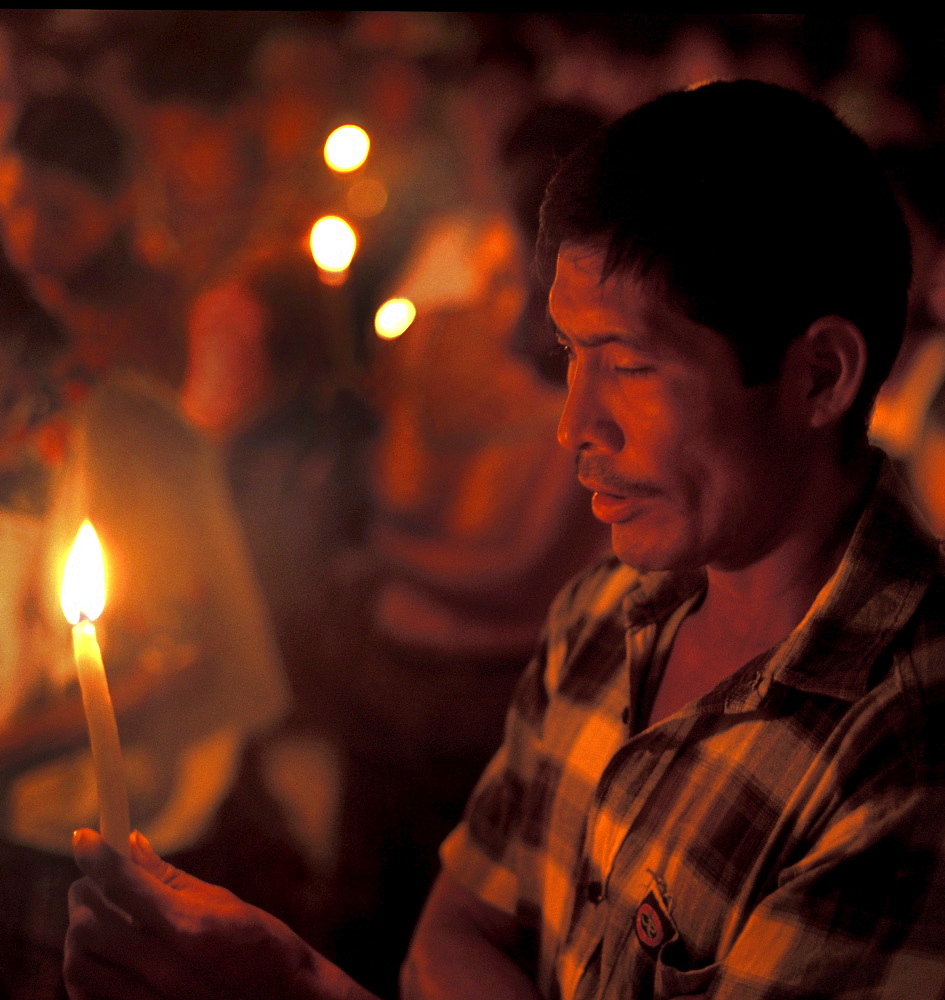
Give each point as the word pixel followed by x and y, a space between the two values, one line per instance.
pixel 622 307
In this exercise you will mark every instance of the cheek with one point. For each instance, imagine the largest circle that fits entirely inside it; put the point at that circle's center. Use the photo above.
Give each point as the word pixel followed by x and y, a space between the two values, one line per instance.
pixel 689 429
pixel 740 470
pixel 652 421
pixel 716 457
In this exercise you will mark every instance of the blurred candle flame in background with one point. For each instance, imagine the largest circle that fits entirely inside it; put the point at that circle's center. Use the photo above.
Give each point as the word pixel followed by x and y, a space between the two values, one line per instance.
pixel 333 244
pixel 347 148
pixel 394 318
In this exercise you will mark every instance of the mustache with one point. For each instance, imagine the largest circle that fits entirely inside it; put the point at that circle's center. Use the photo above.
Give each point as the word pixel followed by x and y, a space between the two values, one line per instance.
pixel 594 474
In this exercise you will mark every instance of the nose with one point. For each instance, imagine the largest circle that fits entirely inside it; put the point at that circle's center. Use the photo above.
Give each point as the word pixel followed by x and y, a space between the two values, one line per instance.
pixel 586 422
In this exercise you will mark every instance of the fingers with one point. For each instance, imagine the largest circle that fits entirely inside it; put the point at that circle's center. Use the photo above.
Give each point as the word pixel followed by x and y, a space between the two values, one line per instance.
pixel 86 898
pixel 139 887
pixel 97 943
pixel 108 957
pixel 90 850
pixel 142 922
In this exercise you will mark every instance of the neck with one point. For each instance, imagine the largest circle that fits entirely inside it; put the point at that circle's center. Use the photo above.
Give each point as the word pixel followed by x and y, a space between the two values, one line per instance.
pixel 759 604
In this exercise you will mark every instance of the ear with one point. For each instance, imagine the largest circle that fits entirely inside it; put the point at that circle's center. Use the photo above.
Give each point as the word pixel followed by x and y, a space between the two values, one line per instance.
pixel 825 368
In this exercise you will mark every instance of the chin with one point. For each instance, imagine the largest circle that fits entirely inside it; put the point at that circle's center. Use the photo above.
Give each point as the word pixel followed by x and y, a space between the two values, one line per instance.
pixel 633 547
pixel 649 552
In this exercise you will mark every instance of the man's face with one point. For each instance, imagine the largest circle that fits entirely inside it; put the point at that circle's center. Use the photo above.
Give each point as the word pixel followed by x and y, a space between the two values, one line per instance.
pixel 688 466
pixel 53 223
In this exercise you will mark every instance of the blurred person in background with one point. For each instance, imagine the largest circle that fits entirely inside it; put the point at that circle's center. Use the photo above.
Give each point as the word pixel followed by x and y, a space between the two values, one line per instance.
pixel 296 461
pixel 229 109
pixel 908 418
pixel 190 100
pixel 304 409
pixel 476 521
pixel 868 89
pixel 69 225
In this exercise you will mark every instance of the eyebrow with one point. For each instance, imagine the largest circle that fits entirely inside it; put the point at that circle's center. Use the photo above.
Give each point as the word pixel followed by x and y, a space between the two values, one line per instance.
pixel 634 341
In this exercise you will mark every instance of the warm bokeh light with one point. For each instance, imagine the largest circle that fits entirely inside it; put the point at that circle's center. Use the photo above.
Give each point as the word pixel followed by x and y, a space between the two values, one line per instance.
pixel 347 148
pixel 333 243
pixel 83 580
pixel 366 198
pixel 393 318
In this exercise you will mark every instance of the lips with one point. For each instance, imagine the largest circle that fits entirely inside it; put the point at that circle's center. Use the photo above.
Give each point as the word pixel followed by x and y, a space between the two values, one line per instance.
pixel 613 509
pixel 613 502
pixel 616 498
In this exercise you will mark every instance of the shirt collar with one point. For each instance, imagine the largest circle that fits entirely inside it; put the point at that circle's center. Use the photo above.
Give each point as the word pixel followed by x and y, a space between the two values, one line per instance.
pixel 882 577
pixel 655 596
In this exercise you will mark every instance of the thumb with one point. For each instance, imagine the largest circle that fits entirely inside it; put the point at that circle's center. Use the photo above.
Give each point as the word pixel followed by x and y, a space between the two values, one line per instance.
pixel 144 855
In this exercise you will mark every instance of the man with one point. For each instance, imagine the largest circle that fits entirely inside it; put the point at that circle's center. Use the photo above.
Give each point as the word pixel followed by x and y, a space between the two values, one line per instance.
pixel 723 771
pixel 69 226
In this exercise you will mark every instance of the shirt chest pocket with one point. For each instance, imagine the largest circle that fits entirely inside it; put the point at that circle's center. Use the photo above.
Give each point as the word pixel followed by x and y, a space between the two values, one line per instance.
pixel 647 950
pixel 630 970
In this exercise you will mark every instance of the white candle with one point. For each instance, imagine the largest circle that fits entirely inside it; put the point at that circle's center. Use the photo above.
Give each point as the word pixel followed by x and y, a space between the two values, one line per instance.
pixel 83 597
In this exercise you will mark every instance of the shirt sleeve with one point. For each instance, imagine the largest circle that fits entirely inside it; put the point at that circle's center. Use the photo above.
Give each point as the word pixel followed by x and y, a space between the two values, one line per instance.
pixel 502 851
pixel 498 850
pixel 485 852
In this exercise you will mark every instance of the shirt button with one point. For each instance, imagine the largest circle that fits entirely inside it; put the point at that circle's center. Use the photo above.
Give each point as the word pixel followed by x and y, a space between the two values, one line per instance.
pixel 595 892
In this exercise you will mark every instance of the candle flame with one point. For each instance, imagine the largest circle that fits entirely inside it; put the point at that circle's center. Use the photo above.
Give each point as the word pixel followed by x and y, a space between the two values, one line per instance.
pixel 83 580
pixel 393 318
pixel 333 243
pixel 347 148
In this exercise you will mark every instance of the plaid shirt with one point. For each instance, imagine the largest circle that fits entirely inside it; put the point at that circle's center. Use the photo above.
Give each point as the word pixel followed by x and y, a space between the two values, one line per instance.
pixel 781 837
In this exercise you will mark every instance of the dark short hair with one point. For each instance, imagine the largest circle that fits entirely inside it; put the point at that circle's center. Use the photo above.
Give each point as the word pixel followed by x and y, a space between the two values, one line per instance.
pixel 70 132
pixel 756 211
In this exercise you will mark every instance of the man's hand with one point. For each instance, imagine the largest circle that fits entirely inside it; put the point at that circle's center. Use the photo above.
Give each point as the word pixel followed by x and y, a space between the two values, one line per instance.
pixel 145 929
